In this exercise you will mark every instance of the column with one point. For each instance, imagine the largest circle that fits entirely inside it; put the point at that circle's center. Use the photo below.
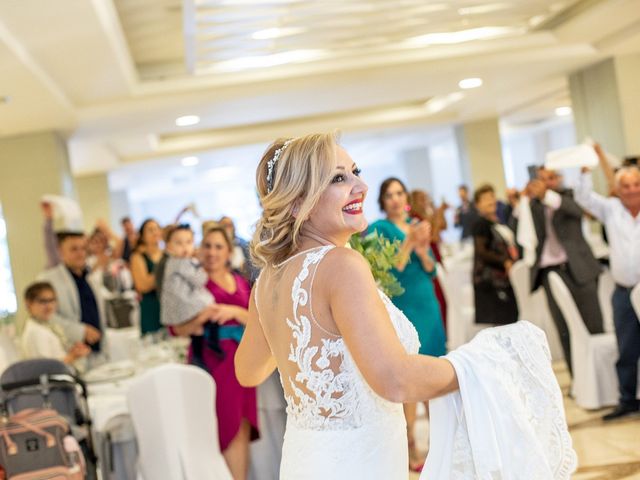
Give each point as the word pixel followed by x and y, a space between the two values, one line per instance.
pixel 481 154
pixel 605 99
pixel 94 199
pixel 418 169
pixel 30 166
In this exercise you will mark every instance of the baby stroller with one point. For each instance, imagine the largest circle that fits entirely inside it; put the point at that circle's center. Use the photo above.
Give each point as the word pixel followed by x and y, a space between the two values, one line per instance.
pixel 49 383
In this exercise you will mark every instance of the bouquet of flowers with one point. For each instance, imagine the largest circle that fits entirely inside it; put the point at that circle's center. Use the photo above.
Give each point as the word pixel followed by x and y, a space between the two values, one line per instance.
pixel 381 253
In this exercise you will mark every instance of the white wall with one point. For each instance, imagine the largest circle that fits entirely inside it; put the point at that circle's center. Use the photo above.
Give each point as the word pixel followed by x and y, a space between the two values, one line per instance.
pixel 526 146
pixel 223 183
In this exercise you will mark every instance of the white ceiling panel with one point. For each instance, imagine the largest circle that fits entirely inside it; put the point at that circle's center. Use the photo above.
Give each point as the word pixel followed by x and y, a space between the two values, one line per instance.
pixel 203 35
pixel 71 42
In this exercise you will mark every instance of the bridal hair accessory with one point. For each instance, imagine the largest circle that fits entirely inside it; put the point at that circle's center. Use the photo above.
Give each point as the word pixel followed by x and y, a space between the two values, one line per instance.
pixel 272 163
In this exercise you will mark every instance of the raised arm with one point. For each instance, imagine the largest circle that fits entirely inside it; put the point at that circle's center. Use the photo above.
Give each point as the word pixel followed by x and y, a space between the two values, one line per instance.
pixel 606 167
pixel 562 203
pixel 364 323
pixel 591 201
pixel 50 241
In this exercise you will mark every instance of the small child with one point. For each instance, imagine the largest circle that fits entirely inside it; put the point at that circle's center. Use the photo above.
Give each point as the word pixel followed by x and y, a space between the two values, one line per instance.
pixel 42 337
pixel 180 282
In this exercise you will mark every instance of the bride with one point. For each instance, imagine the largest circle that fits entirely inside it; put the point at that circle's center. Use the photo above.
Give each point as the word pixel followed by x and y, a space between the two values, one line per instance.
pixel 347 357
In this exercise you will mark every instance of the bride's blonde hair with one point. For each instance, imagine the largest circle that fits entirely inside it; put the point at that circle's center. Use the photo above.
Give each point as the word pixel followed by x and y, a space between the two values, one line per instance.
pixel 302 171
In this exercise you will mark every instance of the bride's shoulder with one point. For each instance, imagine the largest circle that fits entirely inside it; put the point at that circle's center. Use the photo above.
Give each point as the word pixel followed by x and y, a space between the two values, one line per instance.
pixel 344 261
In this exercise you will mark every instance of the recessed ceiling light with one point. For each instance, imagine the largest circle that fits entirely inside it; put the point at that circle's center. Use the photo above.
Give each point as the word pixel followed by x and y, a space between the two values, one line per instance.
pixel 461 36
pixel 187 120
pixel 468 83
pixel 481 9
pixel 190 161
pixel 563 111
pixel 265 61
pixel 270 33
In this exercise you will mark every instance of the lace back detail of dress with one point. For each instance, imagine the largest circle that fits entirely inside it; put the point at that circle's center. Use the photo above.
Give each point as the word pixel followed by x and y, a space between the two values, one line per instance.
pixel 319 390
pixel 323 387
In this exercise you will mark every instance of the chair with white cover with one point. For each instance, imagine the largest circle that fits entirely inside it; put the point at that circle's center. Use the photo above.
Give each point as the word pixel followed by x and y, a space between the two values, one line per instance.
pixel 461 312
pixel 606 286
pixel 173 411
pixel 533 307
pixel 635 300
pixel 595 382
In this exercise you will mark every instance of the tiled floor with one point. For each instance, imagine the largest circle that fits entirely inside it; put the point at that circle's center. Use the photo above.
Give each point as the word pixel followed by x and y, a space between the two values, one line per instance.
pixel 605 451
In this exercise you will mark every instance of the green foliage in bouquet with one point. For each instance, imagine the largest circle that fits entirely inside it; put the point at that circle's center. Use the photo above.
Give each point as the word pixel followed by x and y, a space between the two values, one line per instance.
pixel 381 253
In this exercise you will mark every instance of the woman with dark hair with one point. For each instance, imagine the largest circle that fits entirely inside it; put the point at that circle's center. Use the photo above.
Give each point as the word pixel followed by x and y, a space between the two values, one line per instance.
pixel 415 270
pixel 144 259
pixel 236 406
pixel 494 254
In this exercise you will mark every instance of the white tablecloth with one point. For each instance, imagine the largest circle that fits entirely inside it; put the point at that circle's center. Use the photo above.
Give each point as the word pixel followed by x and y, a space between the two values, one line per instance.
pixel 114 436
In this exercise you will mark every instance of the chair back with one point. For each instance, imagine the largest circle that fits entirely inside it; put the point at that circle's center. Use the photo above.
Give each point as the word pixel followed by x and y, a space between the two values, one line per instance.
pixel 173 412
pixel 577 329
pixel 521 283
pixel 606 286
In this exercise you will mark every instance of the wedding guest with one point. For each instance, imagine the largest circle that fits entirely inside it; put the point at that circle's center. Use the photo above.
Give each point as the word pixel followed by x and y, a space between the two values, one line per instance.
pixel 241 258
pixel 235 405
pixel 129 239
pixel 42 337
pixel 562 248
pixel 466 213
pixel 99 253
pixel 494 254
pixel 422 208
pixel 414 270
pixel 80 305
pixel 621 216
pixel 180 284
pixel 144 259
pixel 513 200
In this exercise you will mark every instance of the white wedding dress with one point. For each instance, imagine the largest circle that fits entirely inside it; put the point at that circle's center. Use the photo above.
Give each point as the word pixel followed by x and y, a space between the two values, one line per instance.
pixel 337 426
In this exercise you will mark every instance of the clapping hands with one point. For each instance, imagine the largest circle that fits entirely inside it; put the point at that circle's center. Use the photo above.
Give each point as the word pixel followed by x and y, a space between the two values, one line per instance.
pixel 419 234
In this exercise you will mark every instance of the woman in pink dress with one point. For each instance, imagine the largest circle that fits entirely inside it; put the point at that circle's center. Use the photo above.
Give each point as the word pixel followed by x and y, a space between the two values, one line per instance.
pixel 236 406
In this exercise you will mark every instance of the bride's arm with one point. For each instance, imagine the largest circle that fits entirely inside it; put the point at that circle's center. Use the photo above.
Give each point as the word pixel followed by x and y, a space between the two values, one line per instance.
pixel 363 321
pixel 253 361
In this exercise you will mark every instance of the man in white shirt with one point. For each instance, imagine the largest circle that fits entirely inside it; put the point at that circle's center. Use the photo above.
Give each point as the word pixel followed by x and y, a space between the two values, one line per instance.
pixel 562 248
pixel 621 218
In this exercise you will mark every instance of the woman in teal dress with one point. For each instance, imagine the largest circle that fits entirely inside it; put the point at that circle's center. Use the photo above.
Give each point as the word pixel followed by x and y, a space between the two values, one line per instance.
pixel 144 259
pixel 414 270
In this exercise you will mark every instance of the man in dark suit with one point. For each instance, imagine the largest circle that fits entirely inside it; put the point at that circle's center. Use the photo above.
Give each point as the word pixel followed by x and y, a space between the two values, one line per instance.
pixel 80 302
pixel 562 249
pixel 466 214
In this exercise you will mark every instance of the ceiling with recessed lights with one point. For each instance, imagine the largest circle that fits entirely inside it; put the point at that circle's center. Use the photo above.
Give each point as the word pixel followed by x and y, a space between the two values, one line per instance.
pixel 115 75
pixel 207 37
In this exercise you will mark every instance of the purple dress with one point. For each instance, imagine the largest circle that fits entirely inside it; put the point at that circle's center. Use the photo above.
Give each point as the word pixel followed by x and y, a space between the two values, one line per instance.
pixel 233 401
